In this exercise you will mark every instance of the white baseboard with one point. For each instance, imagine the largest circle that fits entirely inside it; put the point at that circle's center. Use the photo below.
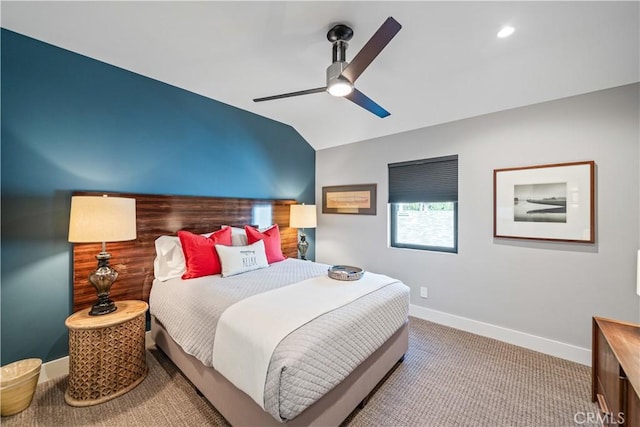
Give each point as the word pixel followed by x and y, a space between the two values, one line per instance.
pixel 60 367
pixel 148 341
pixel 54 369
pixel 511 336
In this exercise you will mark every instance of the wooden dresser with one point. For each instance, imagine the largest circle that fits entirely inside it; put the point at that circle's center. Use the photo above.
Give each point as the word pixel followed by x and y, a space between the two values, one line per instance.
pixel 616 371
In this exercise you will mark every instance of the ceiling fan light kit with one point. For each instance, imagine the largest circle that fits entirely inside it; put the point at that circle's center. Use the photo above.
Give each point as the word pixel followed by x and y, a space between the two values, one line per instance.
pixel 341 75
pixel 340 87
pixel 336 84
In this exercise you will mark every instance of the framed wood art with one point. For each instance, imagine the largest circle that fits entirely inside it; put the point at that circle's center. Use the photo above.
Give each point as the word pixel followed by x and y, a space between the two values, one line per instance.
pixel 547 202
pixel 349 199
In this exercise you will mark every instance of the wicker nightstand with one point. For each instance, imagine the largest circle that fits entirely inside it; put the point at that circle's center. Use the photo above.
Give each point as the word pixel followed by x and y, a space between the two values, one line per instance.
pixel 106 353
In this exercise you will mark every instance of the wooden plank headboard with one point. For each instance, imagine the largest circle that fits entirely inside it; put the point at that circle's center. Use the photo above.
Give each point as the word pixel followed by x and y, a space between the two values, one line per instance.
pixel 165 215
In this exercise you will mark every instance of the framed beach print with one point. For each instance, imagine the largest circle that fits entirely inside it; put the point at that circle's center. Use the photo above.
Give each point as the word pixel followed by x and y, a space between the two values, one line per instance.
pixel 547 202
pixel 349 199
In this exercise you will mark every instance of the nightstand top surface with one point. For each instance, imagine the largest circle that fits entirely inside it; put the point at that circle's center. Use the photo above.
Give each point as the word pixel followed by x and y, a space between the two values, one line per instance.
pixel 126 311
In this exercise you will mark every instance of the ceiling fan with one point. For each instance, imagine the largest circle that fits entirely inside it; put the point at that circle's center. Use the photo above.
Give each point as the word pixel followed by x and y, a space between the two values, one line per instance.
pixel 341 75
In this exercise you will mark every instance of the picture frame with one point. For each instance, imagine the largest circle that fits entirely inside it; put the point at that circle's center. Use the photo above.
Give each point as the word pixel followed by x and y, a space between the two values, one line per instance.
pixel 554 202
pixel 349 199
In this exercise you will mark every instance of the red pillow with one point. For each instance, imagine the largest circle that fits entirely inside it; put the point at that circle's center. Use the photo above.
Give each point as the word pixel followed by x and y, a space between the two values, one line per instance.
pixel 271 238
pixel 200 253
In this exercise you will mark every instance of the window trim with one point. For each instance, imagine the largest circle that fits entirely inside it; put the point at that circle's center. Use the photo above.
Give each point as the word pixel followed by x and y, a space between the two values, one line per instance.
pixel 393 232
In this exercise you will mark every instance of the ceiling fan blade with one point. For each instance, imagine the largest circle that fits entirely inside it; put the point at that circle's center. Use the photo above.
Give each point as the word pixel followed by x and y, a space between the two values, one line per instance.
pixel 367 103
pixel 371 49
pixel 290 94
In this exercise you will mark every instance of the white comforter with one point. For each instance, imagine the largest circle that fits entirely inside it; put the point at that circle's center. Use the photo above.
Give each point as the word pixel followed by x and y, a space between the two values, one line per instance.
pixel 248 332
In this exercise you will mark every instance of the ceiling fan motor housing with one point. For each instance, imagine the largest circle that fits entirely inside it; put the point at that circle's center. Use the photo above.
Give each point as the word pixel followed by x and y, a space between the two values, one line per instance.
pixel 334 70
pixel 339 35
pixel 338 85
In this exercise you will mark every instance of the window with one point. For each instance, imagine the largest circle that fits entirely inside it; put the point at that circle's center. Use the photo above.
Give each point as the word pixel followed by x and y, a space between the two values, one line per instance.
pixel 423 195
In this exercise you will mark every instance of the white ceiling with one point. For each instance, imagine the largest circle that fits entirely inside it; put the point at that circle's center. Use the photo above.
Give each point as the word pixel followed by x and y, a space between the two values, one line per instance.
pixel 445 64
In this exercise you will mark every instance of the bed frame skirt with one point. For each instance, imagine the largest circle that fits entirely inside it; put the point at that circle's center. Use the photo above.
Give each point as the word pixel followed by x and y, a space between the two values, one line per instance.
pixel 330 410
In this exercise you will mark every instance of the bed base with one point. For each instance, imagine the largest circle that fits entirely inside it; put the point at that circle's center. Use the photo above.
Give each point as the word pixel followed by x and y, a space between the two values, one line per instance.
pixel 330 410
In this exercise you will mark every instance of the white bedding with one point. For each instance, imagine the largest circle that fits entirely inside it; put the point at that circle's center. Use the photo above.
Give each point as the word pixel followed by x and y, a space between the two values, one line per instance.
pixel 248 332
pixel 308 362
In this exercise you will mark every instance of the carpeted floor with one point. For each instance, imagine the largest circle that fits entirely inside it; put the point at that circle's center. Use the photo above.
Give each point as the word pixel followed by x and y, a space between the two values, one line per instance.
pixel 448 378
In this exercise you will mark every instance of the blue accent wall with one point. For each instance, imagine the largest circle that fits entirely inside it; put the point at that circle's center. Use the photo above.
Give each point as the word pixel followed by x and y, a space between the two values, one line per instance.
pixel 73 123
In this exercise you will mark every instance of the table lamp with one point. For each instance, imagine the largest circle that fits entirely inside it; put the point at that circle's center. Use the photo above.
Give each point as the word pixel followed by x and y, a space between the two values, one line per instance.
pixel 103 219
pixel 303 216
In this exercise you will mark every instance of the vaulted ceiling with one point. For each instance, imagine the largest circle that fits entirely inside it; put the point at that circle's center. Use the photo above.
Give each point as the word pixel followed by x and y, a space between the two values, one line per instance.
pixel 445 64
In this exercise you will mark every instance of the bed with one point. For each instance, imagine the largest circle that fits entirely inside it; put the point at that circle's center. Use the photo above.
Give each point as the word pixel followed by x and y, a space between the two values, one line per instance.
pixel 317 375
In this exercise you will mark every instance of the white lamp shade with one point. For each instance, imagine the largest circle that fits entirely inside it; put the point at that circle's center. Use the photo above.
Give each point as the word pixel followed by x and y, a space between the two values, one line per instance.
pixel 303 216
pixel 102 219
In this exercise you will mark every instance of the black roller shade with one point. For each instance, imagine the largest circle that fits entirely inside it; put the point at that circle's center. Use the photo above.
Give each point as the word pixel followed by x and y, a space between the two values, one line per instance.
pixel 427 180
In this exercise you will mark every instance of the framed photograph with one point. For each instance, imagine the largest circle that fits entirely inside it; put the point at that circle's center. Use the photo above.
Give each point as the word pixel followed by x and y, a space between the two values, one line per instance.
pixel 548 202
pixel 349 199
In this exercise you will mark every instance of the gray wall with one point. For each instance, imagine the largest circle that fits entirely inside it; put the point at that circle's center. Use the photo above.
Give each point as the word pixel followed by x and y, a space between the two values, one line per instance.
pixel 547 289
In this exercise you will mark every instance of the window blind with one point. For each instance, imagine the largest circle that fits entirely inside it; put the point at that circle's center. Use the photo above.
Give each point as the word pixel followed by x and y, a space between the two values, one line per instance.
pixel 427 180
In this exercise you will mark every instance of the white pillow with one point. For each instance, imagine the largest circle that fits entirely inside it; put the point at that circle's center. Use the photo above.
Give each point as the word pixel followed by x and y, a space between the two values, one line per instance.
pixel 240 259
pixel 238 236
pixel 169 262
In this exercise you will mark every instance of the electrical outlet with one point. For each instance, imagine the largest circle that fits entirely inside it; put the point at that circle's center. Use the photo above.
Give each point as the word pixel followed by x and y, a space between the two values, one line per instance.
pixel 423 292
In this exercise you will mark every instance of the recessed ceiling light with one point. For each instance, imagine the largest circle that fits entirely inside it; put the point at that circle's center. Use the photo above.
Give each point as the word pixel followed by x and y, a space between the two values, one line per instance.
pixel 506 31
